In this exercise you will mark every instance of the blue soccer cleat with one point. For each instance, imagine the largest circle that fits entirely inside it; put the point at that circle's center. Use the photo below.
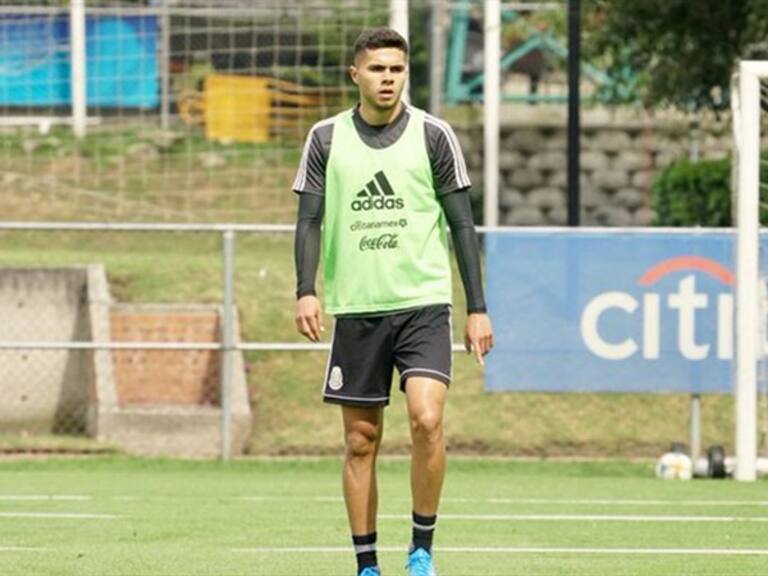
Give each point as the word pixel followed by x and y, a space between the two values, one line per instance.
pixel 420 563
pixel 370 572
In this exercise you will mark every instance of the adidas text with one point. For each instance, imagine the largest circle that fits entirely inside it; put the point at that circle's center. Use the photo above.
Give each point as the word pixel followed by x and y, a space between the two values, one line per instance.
pixel 379 203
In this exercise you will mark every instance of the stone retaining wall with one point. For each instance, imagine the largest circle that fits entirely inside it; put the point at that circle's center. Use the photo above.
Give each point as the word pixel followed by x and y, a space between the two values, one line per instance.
pixel 622 151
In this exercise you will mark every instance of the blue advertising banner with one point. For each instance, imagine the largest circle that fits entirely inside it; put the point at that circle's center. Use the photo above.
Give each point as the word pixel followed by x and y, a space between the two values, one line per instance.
pixel 122 68
pixel 603 311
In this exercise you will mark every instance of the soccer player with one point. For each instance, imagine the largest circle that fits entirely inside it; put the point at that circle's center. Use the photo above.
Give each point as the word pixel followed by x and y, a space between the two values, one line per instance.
pixel 384 178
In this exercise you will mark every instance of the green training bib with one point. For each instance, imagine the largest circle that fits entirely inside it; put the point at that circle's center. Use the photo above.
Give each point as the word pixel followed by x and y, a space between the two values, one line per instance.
pixel 384 241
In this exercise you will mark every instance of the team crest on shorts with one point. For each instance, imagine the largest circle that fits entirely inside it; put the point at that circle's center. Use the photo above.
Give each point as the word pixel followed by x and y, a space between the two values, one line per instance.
pixel 336 381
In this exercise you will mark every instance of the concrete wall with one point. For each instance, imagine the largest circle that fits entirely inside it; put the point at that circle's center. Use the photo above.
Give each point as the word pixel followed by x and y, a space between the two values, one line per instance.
pixel 146 402
pixel 622 151
pixel 42 391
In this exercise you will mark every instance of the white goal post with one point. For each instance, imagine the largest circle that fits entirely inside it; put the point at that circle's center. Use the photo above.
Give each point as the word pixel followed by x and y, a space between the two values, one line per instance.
pixel 749 316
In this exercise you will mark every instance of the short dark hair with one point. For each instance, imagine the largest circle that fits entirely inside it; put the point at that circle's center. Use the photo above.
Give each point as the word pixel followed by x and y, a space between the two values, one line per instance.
pixel 383 37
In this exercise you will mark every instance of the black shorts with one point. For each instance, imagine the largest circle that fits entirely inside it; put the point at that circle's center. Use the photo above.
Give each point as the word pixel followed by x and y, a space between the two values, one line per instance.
pixel 365 350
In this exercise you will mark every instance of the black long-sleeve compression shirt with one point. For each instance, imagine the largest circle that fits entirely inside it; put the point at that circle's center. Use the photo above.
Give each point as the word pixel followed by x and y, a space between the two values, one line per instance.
pixel 307 242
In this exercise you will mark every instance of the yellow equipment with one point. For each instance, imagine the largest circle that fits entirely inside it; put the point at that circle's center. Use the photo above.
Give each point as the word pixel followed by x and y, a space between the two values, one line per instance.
pixel 248 108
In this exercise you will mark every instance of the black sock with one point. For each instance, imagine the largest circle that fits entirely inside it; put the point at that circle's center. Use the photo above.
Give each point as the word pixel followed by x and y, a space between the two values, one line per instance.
pixel 423 531
pixel 365 549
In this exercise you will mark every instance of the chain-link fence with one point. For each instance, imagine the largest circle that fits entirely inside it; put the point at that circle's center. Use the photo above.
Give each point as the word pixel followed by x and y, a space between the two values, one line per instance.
pixel 133 358
pixel 116 333
pixel 196 109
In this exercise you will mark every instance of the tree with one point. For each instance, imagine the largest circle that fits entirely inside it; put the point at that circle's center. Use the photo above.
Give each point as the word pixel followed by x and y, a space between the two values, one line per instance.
pixel 682 52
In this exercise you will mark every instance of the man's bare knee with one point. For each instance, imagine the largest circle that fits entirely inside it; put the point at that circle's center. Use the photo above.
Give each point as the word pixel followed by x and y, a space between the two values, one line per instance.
pixel 426 426
pixel 361 440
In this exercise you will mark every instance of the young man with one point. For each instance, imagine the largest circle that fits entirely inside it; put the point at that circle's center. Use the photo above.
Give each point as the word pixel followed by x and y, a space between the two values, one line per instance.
pixel 384 178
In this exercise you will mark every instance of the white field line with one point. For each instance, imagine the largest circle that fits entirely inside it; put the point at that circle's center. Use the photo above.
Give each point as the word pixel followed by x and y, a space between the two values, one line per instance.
pixel 619 502
pixel 45 497
pixel 523 550
pixel 59 515
pixel 289 498
pixel 583 518
pixel 337 499
pixel 23 549
pixel 535 501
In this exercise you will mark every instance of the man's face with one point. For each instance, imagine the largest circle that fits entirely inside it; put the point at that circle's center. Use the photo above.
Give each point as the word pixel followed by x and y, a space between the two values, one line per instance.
pixel 380 75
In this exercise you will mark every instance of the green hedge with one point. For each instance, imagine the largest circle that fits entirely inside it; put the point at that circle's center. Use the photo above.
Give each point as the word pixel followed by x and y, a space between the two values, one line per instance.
pixel 697 194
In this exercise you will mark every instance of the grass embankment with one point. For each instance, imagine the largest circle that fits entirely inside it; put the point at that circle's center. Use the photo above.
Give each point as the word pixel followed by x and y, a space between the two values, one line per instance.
pixel 138 173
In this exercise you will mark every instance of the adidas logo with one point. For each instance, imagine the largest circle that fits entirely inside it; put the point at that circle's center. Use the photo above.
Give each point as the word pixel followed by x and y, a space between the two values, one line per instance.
pixel 377 195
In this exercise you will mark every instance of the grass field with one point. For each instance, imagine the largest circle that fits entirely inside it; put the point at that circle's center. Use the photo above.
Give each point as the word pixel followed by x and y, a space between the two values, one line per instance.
pixel 117 517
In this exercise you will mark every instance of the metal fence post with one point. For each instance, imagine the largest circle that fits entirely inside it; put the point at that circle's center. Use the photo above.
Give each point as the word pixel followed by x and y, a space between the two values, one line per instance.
pixel 436 57
pixel 78 80
pixel 227 344
pixel 695 426
pixel 398 20
pixel 491 110
pixel 165 73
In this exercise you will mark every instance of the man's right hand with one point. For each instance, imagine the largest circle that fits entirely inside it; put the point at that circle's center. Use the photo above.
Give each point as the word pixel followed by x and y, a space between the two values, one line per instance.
pixel 309 317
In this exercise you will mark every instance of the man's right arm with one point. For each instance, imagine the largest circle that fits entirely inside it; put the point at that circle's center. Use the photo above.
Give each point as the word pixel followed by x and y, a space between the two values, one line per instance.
pixel 310 186
pixel 307 242
pixel 309 316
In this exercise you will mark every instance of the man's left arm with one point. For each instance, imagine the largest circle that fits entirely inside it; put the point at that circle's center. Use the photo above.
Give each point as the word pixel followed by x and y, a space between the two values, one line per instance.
pixel 478 337
pixel 452 184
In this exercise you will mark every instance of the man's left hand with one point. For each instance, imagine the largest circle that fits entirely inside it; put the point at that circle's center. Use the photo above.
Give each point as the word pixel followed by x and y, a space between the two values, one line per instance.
pixel 478 337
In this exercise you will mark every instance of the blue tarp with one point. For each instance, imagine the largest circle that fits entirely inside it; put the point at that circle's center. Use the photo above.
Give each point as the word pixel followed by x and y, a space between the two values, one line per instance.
pixel 122 68
pixel 618 312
